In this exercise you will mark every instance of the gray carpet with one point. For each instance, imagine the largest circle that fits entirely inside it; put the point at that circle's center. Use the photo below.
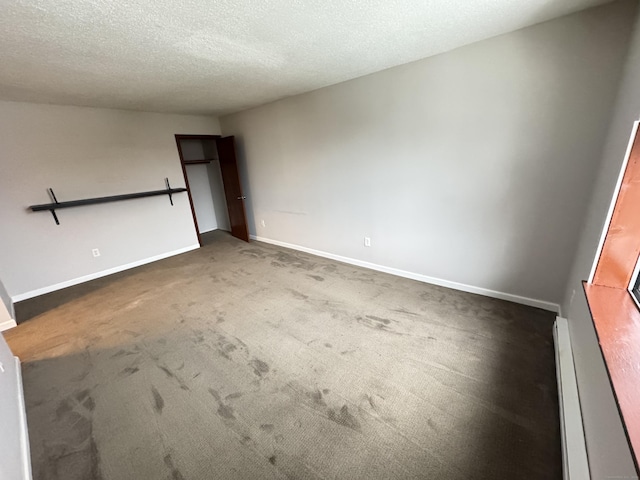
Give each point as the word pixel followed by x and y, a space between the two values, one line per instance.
pixel 249 361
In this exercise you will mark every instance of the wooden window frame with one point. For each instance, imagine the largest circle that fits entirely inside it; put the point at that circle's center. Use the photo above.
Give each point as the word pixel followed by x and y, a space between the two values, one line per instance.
pixel 614 309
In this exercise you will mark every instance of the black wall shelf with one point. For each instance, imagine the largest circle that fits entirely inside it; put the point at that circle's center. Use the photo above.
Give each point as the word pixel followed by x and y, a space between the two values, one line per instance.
pixel 52 207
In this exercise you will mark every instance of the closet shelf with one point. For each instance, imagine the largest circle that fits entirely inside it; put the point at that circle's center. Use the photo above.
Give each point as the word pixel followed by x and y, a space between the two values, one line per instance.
pixel 52 207
pixel 196 162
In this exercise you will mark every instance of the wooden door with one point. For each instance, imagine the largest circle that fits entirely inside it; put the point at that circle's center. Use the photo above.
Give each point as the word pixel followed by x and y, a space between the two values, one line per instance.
pixel 232 188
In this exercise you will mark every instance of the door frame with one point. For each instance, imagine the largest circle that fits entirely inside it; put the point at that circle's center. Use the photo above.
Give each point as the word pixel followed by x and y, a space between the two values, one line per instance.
pixel 184 171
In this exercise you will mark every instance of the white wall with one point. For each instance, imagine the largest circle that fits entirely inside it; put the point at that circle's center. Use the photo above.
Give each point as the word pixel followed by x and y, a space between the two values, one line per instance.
pixel 205 184
pixel 6 320
pixel 202 197
pixel 207 193
pixel 6 316
pixel 217 193
pixel 609 454
pixel 472 166
pixel 80 153
pixel 6 309
pixel 14 447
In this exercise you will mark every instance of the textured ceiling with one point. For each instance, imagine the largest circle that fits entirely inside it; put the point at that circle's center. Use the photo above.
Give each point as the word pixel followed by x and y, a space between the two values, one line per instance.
pixel 205 56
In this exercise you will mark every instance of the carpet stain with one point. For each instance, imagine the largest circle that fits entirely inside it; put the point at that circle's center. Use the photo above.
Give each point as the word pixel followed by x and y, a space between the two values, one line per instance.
pixel 253 252
pixel 173 376
pixel 405 311
pixel 175 472
pixel 199 338
pixel 223 354
pixel 224 410
pixel 63 408
pixel 369 399
pixel 240 342
pixel 226 346
pixel 272 459
pixel 89 404
pixel 260 368
pixel 298 295
pixel 158 401
pixel 81 426
pixel 81 377
pixel 376 323
pixel 317 278
pixel 130 371
pixel 214 393
pixel 80 396
pixel 385 321
pixel 267 427
pixel 317 398
pixel 345 418
pixel 432 424
pixel 293 261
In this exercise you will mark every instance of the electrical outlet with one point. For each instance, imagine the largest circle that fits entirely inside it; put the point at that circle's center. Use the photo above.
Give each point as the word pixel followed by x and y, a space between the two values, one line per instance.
pixel 262 223
pixel 367 241
pixel 95 252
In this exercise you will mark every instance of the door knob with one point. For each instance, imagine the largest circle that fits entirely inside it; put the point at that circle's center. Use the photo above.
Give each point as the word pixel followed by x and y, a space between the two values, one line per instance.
pixel 241 198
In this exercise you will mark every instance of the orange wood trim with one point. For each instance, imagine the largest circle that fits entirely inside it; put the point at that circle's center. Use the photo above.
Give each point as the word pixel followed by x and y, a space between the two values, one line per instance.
pixel 622 242
pixel 617 323
pixel 186 183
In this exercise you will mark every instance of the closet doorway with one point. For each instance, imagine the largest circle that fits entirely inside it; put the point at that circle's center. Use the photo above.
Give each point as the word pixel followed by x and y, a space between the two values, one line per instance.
pixel 211 177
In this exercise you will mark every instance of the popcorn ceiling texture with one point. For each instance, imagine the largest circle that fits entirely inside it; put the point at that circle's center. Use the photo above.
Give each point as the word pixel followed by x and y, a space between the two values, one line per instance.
pixel 199 56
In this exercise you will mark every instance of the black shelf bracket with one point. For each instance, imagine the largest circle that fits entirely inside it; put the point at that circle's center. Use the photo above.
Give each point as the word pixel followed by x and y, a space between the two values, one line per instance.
pixel 53 211
pixel 52 207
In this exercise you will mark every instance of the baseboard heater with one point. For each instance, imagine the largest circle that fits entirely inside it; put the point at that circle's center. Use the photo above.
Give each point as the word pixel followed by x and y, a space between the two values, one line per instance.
pixel 15 460
pixel 575 465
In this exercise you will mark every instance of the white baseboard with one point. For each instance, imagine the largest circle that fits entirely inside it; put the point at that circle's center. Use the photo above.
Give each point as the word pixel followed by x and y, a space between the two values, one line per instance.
pixel 575 464
pixel 532 302
pixel 7 325
pixel 103 273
